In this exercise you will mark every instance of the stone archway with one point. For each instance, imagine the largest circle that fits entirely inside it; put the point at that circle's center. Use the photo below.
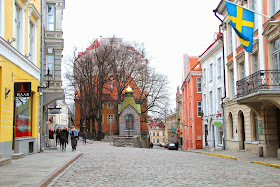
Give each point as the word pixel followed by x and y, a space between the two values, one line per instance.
pixel 241 130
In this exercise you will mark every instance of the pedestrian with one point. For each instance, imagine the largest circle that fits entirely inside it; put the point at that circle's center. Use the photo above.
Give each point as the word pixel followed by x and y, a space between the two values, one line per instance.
pixel 57 138
pixel 177 145
pixel 151 145
pixel 63 139
pixel 74 138
pixel 84 138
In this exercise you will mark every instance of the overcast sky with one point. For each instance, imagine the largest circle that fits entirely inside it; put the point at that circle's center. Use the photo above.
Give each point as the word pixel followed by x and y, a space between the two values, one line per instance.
pixel 168 29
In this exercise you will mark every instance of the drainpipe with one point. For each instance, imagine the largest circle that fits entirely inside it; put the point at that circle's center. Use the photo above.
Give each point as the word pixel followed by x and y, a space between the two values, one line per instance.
pixel 41 82
pixel 224 71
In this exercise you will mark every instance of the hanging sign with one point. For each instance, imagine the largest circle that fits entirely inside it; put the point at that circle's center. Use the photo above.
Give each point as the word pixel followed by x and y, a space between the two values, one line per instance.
pixel 218 124
pixel 22 89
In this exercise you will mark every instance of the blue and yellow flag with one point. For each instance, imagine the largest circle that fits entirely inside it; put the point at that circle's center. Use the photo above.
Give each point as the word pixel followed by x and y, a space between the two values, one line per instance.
pixel 242 21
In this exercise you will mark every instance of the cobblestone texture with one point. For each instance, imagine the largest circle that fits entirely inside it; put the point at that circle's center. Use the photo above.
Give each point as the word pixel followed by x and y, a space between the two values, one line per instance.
pixel 105 165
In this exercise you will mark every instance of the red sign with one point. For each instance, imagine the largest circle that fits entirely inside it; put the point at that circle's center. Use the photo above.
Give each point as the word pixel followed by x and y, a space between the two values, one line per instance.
pixel 22 89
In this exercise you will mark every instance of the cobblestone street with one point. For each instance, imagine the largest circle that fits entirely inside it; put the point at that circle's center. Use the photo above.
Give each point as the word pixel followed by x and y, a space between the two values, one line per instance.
pixel 105 165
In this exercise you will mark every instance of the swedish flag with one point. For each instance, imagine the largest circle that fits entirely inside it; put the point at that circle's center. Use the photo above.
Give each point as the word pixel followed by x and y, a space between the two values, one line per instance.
pixel 242 21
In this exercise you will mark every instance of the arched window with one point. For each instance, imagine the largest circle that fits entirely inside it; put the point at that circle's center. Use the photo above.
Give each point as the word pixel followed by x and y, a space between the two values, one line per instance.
pixel 129 122
pixel 230 124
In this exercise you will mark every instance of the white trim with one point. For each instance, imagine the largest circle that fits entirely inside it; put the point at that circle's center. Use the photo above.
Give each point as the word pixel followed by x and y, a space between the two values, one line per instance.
pixel 216 46
pixel 18 59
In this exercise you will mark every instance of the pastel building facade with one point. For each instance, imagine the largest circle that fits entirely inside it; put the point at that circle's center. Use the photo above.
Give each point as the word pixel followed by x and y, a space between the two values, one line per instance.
pixel 19 76
pixel 157 132
pixel 192 104
pixel 212 93
pixel 251 104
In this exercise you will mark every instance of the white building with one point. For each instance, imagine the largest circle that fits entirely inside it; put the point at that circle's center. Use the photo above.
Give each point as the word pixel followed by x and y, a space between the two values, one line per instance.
pixel 212 93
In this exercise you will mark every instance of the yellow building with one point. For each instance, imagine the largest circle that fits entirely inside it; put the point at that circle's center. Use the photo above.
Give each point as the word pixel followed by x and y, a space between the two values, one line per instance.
pixel 19 76
pixel 156 131
pixel 170 128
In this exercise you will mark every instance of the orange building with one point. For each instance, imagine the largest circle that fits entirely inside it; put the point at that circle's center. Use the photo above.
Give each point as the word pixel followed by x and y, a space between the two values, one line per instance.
pixel 192 104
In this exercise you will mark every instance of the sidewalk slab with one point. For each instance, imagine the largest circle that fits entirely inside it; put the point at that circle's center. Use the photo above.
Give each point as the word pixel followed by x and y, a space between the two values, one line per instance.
pixel 37 168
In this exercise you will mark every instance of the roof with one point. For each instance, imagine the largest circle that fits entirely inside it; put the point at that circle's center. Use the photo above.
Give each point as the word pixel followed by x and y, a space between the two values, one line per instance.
pixel 218 38
pixel 156 124
pixel 129 100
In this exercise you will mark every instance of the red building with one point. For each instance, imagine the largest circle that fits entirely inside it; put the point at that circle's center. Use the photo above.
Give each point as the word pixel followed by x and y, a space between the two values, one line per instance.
pixel 192 104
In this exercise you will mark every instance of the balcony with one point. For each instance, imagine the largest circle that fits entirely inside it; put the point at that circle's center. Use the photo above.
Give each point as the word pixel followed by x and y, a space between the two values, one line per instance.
pixel 261 82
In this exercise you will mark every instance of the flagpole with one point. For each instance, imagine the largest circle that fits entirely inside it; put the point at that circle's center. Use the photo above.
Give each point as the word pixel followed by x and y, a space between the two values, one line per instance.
pixel 248 9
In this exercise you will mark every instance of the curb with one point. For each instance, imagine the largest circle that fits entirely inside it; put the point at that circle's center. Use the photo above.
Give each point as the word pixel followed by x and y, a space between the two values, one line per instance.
pixel 55 173
pixel 266 164
pixel 218 155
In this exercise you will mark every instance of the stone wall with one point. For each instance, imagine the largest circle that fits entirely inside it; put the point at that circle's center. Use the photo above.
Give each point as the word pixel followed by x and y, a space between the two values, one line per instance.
pixel 134 141
pixel 136 131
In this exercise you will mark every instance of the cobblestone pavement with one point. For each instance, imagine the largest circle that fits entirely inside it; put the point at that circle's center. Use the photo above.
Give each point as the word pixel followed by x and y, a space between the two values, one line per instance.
pixel 105 165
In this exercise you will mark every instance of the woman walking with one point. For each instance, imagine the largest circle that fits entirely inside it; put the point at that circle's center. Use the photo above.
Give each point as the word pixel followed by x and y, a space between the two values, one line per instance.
pixel 63 138
pixel 84 138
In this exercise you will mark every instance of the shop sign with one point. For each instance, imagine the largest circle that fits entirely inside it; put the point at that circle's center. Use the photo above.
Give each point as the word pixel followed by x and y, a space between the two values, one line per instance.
pixel 218 124
pixel 22 89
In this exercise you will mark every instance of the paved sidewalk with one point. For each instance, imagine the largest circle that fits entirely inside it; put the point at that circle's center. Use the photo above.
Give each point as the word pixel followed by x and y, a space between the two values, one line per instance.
pixel 37 169
pixel 240 155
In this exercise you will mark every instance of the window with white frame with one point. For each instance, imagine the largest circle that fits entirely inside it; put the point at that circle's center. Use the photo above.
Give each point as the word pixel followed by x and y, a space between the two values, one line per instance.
pixel 211 72
pixel 256 62
pixel 110 118
pixel 275 6
pixel 17 26
pixel 157 140
pixel 110 105
pixel 50 65
pixel 154 134
pixel 31 42
pixel 232 82
pixel 102 118
pixel 242 70
pixel 219 99
pixel 154 141
pixel 276 54
pixel 204 76
pixel 219 66
pixel 199 108
pixel 204 104
pixel 198 84
pixel 254 7
pixel 230 46
pixel 210 103
pixel 51 18
pixel 157 133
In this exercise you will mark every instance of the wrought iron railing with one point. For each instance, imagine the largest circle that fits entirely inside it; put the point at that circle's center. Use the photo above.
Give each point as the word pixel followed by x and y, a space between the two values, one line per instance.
pixel 259 81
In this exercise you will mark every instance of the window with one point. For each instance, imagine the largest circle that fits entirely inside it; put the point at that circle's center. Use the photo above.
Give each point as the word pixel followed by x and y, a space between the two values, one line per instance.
pixel 199 108
pixel 256 62
pixel 275 6
pixel 230 46
pixel 31 42
pixel 276 54
pixel 219 99
pixel 23 113
pixel 219 66
pixel 157 133
pixel 17 26
pixel 154 141
pixel 110 118
pixel 204 76
pixel 110 105
pixel 254 7
pixel 211 72
pixel 232 82
pixel 231 130
pixel 50 64
pixel 204 104
pixel 242 70
pixel 157 140
pixel 129 122
pixel 255 127
pixel 163 134
pixel 198 84
pixel 51 17
pixel 210 103
pixel 154 134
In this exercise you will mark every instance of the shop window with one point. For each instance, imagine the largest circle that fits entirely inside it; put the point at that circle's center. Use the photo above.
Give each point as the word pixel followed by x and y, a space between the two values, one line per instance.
pixel 23 115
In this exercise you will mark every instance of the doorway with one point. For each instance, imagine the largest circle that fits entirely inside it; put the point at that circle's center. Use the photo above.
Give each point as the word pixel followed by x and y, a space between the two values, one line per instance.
pixel 242 130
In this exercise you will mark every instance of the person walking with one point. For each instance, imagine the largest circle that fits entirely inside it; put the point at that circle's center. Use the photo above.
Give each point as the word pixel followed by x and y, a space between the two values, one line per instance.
pixel 57 136
pixel 63 138
pixel 84 138
pixel 151 145
pixel 74 138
